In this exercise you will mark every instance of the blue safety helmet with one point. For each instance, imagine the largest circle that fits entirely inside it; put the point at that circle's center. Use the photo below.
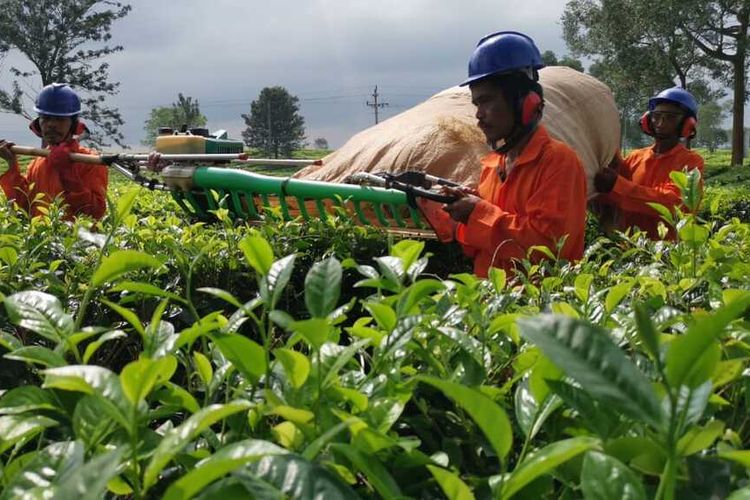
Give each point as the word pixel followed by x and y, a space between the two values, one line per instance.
pixel 504 52
pixel 676 95
pixel 57 99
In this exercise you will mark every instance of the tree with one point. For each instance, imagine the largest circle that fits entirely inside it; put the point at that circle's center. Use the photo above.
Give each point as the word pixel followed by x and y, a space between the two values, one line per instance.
pixel 320 143
pixel 697 41
pixel 710 133
pixel 571 62
pixel 630 96
pixel 550 59
pixel 638 49
pixel 64 40
pixel 274 123
pixel 183 113
pixel 720 30
pixel 638 35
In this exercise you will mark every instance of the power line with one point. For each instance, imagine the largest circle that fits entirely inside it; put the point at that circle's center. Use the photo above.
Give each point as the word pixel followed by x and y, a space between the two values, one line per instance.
pixel 375 104
pixel 332 98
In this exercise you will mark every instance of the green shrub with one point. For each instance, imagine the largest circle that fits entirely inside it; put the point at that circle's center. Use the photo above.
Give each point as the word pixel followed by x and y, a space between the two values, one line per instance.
pixel 163 358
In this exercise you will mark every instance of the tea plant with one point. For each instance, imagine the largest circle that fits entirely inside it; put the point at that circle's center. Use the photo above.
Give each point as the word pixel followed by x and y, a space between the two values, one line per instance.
pixel 149 356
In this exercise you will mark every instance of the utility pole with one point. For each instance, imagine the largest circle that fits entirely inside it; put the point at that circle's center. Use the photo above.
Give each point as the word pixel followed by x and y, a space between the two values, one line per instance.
pixel 375 104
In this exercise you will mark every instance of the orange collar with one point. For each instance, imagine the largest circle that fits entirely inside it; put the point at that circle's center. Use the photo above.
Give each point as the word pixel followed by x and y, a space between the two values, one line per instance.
pixel 529 154
pixel 678 148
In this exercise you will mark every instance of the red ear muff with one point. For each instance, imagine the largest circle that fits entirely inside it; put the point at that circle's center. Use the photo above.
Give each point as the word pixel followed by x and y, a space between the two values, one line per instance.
pixel 80 128
pixel 34 127
pixel 645 123
pixel 531 107
pixel 689 127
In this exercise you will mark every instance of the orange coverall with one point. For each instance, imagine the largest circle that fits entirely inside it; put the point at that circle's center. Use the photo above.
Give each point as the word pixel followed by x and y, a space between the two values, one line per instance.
pixel 542 200
pixel 644 178
pixel 83 186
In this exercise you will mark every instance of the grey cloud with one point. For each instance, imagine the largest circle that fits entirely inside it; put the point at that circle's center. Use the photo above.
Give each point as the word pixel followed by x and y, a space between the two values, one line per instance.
pixel 330 53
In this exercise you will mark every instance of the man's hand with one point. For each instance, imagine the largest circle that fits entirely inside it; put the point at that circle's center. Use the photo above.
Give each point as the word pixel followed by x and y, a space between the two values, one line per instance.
pixel 155 163
pixel 8 155
pixel 461 209
pixel 605 180
pixel 616 162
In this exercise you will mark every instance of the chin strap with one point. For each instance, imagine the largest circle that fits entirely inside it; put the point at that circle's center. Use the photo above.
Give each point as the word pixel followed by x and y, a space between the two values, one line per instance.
pixel 514 138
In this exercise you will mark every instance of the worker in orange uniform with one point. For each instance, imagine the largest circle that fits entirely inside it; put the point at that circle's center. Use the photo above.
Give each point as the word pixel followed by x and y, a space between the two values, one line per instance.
pixel 83 187
pixel 532 188
pixel 643 176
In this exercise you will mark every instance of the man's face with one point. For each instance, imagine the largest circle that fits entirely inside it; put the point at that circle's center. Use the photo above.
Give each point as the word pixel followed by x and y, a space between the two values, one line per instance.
pixel 494 115
pixel 665 119
pixel 55 129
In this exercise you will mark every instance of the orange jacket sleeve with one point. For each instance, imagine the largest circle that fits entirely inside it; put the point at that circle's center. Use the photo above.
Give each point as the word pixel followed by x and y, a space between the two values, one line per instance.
pixel 548 217
pixel 16 187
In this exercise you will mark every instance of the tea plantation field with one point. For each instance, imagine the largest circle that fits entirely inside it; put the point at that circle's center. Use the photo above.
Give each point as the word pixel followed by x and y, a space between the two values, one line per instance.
pixel 151 356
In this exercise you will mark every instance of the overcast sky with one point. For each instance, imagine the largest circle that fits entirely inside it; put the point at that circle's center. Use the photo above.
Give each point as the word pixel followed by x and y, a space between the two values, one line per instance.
pixel 329 53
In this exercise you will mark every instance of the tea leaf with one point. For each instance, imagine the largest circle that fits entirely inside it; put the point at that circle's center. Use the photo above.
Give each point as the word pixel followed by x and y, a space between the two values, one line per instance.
pixel 383 314
pixel 616 294
pixel 203 367
pixel 699 438
pixel 646 330
pixel 742 457
pixel 90 421
pixel 247 356
pixel 291 476
pixel 690 358
pixel 218 465
pixel 487 414
pixel 89 481
pixel 28 398
pixel 451 484
pixel 91 380
pixel 586 353
pixel 173 394
pixel 41 313
pixel 315 330
pixel 179 437
pixel 296 365
pixel 37 354
pixel 408 251
pixel 378 475
pixel 20 428
pixel 140 377
pixel 258 253
pixel 121 262
pixel 147 289
pixel 125 203
pixel 44 469
pixel 127 315
pixel 415 293
pixel 582 286
pixel 276 280
pixel 544 460
pixel 323 287
pixel 604 477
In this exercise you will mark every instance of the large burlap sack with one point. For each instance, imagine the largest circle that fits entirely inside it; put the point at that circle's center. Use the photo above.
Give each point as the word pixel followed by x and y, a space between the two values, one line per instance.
pixel 440 135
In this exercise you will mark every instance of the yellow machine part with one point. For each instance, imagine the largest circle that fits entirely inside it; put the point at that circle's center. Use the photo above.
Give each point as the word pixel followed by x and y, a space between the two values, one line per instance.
pixel 181 144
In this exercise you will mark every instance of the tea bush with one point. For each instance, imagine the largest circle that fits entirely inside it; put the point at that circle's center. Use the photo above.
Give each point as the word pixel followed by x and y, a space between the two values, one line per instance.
pixel 148 356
